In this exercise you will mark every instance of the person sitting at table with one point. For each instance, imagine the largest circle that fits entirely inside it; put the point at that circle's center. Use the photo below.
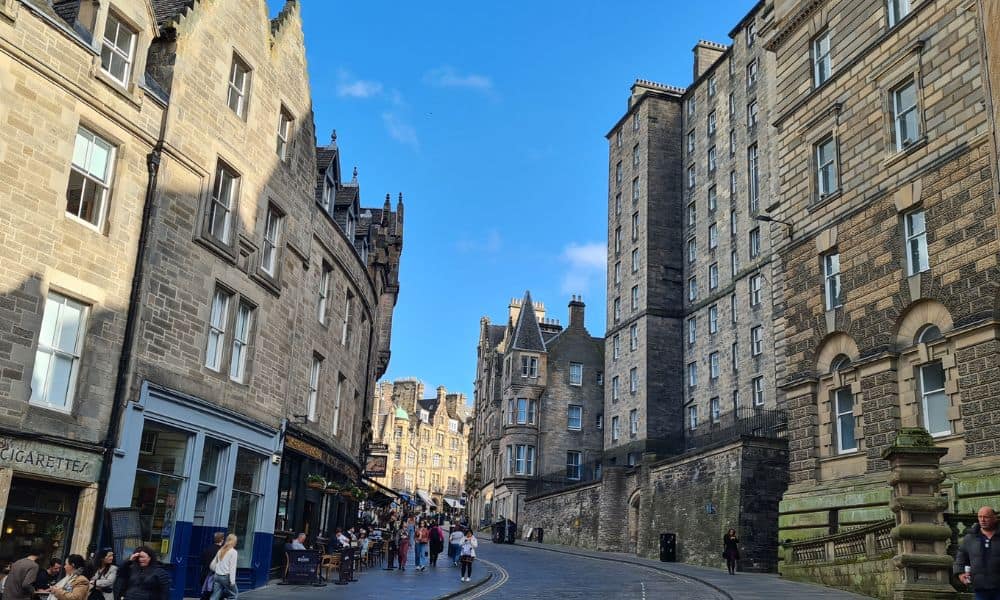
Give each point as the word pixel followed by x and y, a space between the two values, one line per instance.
pixel 342 540
pixel 47 576
pixel 299 543
pixel 75 585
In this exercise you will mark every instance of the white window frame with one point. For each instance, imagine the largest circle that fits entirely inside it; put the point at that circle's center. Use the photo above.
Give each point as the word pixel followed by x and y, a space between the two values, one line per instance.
pixel 325 279
pixel 633 337
pixel 635 155
pixel 712 162
pixel 711 123
pixel 713 199
pixel 272 238
pixel 223 200
pixel 615 388
pixel 757 390
pixel 735 352
pixel 635 297
pixel 692 214
pixel 50 349
pixel 713 236
pixel 218 322
pixel 633 379
pixel 574 465
pixel 690 142
pixel 691 177
pixel 734 305
pixel 752 73
pixel 692 374
pixel 345 332
pixel 756 340
pixel 831 280
pixel 713 365
pixel 635 260
pixel 734 262
pixel 753 178
pixel 692 330
pixel 313 398
pixel 692 249
pixel 917 258
pixel 754 236
pixel 239 86
pixel 633 422
pixel 241 341
pixel 618 273
pixel 714 409
pixel 841 413
pixel 577 410
pixel 92 175
pixel 692 418
pixel 905 117
pixel 712 86
pixel 713 318
pixel 111 48
pixel 336 404
pixel 285 120
pixel 896 11
pixel 635 226
pixel 692 288
pixel 938 395
pixel 826 167
pixel 752 114
pixel 713 276
pixel 635 189
pixel 575 373
pixel 616 346
pixel 615 429
pixel 822 66
pixel 756 286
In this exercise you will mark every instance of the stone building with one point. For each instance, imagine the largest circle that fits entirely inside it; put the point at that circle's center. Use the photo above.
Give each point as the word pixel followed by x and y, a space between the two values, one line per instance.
pixel 257 321
pixel 539 416
pixel 428 440
pixel 889 289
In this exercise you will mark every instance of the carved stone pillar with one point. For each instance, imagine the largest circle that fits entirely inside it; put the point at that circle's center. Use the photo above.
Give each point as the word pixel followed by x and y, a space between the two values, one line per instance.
pixel 922 562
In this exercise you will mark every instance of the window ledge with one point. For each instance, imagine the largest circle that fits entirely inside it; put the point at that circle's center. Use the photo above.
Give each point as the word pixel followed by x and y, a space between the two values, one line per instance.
pixel 818 202
pixel 227 253
pixel 270 283
pixel 899 155
pixel 128 92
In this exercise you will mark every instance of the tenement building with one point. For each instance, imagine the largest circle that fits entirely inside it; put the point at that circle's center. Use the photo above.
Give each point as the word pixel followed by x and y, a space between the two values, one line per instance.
pixel 427 439
pixel 889 294
pixel 539 416
pixel 170 202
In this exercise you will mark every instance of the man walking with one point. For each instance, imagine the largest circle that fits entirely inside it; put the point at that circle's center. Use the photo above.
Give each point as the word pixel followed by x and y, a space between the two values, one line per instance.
pixel 20 583
pixel 977 561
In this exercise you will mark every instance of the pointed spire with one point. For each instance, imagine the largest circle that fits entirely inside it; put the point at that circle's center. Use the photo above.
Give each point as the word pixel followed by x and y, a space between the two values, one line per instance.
pixel 527 333
pixel 386 209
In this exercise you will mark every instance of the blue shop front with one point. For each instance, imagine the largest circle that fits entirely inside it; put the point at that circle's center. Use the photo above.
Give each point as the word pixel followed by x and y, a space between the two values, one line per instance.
pixel 191 469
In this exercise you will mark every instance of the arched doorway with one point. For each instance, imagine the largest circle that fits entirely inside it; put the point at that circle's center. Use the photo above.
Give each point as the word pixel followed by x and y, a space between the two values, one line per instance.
pixel 633 522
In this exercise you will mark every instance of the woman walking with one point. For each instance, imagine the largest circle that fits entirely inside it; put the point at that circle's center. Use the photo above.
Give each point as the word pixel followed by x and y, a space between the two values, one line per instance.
pixel 105 573
pixel 455 544
pixel 437 542
pixel 405 539
pixel 731 550
pixel 75 585
pixel 224 567
pixel 420 554
pixel 142 577
pixel 467 554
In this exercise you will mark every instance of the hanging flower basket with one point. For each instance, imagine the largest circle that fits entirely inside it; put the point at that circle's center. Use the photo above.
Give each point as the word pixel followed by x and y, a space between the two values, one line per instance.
pixel 332 488
pixel 315 482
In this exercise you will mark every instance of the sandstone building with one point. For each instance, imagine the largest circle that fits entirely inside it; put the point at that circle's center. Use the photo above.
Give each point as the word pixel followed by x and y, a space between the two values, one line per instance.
pixel 428 440
pixel 180 145
pixel 539 416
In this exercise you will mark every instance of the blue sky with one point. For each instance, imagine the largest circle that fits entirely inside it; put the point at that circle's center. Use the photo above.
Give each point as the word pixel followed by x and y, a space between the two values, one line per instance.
pixel 491 121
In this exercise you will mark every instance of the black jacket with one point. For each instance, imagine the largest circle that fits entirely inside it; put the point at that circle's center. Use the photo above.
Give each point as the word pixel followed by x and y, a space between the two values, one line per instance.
pixel 135 583
pixel 985 562
pixel 207 555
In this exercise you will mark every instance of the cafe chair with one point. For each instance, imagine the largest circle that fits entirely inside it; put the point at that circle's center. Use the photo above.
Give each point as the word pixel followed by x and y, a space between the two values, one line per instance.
pixel 329 562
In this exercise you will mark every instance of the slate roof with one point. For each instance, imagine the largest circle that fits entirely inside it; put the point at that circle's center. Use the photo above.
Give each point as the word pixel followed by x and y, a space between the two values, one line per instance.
pixel 527 333
pixel 495 334
pixel 168 10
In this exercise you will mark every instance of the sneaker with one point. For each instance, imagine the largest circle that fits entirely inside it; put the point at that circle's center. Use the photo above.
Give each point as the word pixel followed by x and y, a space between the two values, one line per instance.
pixel 461 578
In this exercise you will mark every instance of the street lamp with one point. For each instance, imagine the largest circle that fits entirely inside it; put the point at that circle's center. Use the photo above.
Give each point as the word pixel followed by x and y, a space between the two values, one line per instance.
pixel 770 219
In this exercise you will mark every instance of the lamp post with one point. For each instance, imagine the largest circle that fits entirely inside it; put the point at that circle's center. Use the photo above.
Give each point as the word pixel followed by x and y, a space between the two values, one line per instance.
pixel 770 219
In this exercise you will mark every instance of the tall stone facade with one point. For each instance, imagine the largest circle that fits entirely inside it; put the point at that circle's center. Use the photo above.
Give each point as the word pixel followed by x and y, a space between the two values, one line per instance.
pixel 166 197
pixel 428 440
pixel 539 414
pixel 889 289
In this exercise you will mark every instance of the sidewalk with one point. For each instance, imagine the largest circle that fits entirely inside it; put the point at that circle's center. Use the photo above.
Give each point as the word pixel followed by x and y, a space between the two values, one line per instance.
pixel 742 586
pixel 377 583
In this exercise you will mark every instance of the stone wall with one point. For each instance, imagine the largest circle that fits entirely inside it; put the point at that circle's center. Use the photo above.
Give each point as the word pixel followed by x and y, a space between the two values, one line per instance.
pixel 567 517
pixel 861 575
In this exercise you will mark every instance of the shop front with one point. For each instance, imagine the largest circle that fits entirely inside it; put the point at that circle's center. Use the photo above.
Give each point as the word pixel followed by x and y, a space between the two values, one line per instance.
pixel 47 496
pixel 307 503
pixel 192 469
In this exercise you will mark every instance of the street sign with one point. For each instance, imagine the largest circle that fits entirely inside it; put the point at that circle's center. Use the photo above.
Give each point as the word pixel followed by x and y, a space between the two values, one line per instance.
pixel 378 448
pixel 375 466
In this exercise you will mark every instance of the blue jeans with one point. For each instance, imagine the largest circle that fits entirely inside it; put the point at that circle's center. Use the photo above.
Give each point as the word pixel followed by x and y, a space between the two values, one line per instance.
pixel 222 588
pixel 420 551
pixel 987 594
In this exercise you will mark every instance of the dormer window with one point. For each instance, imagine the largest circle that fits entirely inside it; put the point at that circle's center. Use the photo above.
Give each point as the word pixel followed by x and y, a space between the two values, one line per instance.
pixel 117 50
pixel 327 199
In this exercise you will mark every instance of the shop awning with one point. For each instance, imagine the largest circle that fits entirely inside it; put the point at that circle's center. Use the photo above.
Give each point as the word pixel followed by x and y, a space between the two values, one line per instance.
pixel 452 502
pixel 427 500
pixel 380 493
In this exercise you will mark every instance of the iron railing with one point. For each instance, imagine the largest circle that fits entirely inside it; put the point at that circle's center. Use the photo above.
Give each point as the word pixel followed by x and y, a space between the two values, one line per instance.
pixel 733 425
pixel 588 472
pixel 871 541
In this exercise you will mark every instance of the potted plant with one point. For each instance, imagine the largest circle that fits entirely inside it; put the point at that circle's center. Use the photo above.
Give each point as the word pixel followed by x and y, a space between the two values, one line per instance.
pixel 360 494
pixel 316 482
pixel 332 487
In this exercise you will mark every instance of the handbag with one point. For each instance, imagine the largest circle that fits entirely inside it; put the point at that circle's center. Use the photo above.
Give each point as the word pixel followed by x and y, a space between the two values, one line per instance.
pixel 95 594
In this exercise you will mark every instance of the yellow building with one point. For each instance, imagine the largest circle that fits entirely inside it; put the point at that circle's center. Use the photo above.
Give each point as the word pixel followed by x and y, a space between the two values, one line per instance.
pixel 427 440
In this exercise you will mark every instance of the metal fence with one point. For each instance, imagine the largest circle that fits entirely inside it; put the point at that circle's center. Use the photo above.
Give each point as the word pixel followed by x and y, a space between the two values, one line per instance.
pixel 731 426
pixel 589 472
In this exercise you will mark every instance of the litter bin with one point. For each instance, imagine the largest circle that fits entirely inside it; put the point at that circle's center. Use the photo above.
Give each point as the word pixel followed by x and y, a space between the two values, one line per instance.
pixel 668 547
pixel 541 535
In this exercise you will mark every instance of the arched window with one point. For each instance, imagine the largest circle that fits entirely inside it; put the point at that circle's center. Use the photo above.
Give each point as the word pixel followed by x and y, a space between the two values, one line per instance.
pixel 928 334
pixel 840 363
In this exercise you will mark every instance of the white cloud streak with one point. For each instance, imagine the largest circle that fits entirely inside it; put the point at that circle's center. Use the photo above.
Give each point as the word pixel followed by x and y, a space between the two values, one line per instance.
pixel 586 262
pixel 400 130
pixel 448 77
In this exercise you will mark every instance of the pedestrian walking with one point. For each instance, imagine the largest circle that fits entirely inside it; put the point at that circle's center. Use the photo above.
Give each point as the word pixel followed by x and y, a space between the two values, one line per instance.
pixel 405 541
pixel 731 550
pixel 75 585
pixel 423 537
pixel 142 577
pixel 437 542
pixel 207 555
pixel 20 582
pixel 467 554
pixel 105 574
pixel 224 567
pixel 977 562
pixel 455 544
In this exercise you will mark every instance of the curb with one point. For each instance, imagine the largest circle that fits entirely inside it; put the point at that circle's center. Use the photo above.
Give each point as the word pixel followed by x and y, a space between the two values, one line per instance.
pixel 458 593
pixel 632 562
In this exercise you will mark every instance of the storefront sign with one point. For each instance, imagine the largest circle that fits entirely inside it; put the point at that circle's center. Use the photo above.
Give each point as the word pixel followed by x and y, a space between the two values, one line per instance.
pixel 26 456
pixel 303 566
pixel 309 450
pixel 375 466
pixel 378 448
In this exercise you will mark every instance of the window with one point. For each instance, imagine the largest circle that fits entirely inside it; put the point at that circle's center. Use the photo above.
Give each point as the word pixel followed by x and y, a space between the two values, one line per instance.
pixel 897 10
pixel 526 411
pixel 618 273
pixel 713 199
pixel 831 278
pixel 529 366
pixel 692 417
pixel 735 351
pixel 633 379
pixel 692 330
pixel 734 262
pixel 916 242
pixel 618 138
pixel 313 388
pixel 713 276
pixel 618 203
pixel 89 178
pixel 284 131
pixel 161 477
pixel 751 34
pixel 574 417
pixel 117 50
pixel 711 160
pixel 345 333
pixel 324 291
pixel 928 334
pixel 732 221
pixel 635 226
pixel 844 420
pixel 752 114
pixel 615 429
pixel 826 167
pixel 635 260
pixel 599 421
pixel 635 190
pixel 713 318
pixel 691 106
pixel 692 214
pixel 635 121
pixel 821 58
pixel 241 342
pixel 692 374
pixel 711 123
pixel 57 359
pixel 239 84
pixel 635 297
pixel 692 250
pixel 905 118
pixel 757 389
pixel 756 285
pixel 713 235
pixel 733 308
pixel 599 377
pixel 712 88
pixel 217 323
pixel 633 422
pixel 272 236
pixel 691 178
pixel 692 288
pixel 753 178
pixel 934 403
pixel 756 340
pixel 732 100
pixel 224 194
pixel 732 142
pixel 524 460
pixel 614 389
pixel 573 465
pixel 714 409
pixel 575 373
pixel 736 400
pixel 436 460
pixel 616 345
pixel 751 74
pixel 713 365
pixel 690 139
pixel 618 240
pixel 635 155
pixel 732 185
pixel 754 242
pixel 341 380
pixel 617 308
pixel 633 337
pixel 618 174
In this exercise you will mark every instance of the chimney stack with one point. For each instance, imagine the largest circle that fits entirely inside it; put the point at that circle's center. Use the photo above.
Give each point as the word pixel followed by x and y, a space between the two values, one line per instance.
pixel 576 312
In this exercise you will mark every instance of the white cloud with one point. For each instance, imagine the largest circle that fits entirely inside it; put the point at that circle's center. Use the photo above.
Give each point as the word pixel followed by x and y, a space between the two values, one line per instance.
pixel 448 77
pixel 359 89
pixel 488 244
pixel 587 262
pixel 400 130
